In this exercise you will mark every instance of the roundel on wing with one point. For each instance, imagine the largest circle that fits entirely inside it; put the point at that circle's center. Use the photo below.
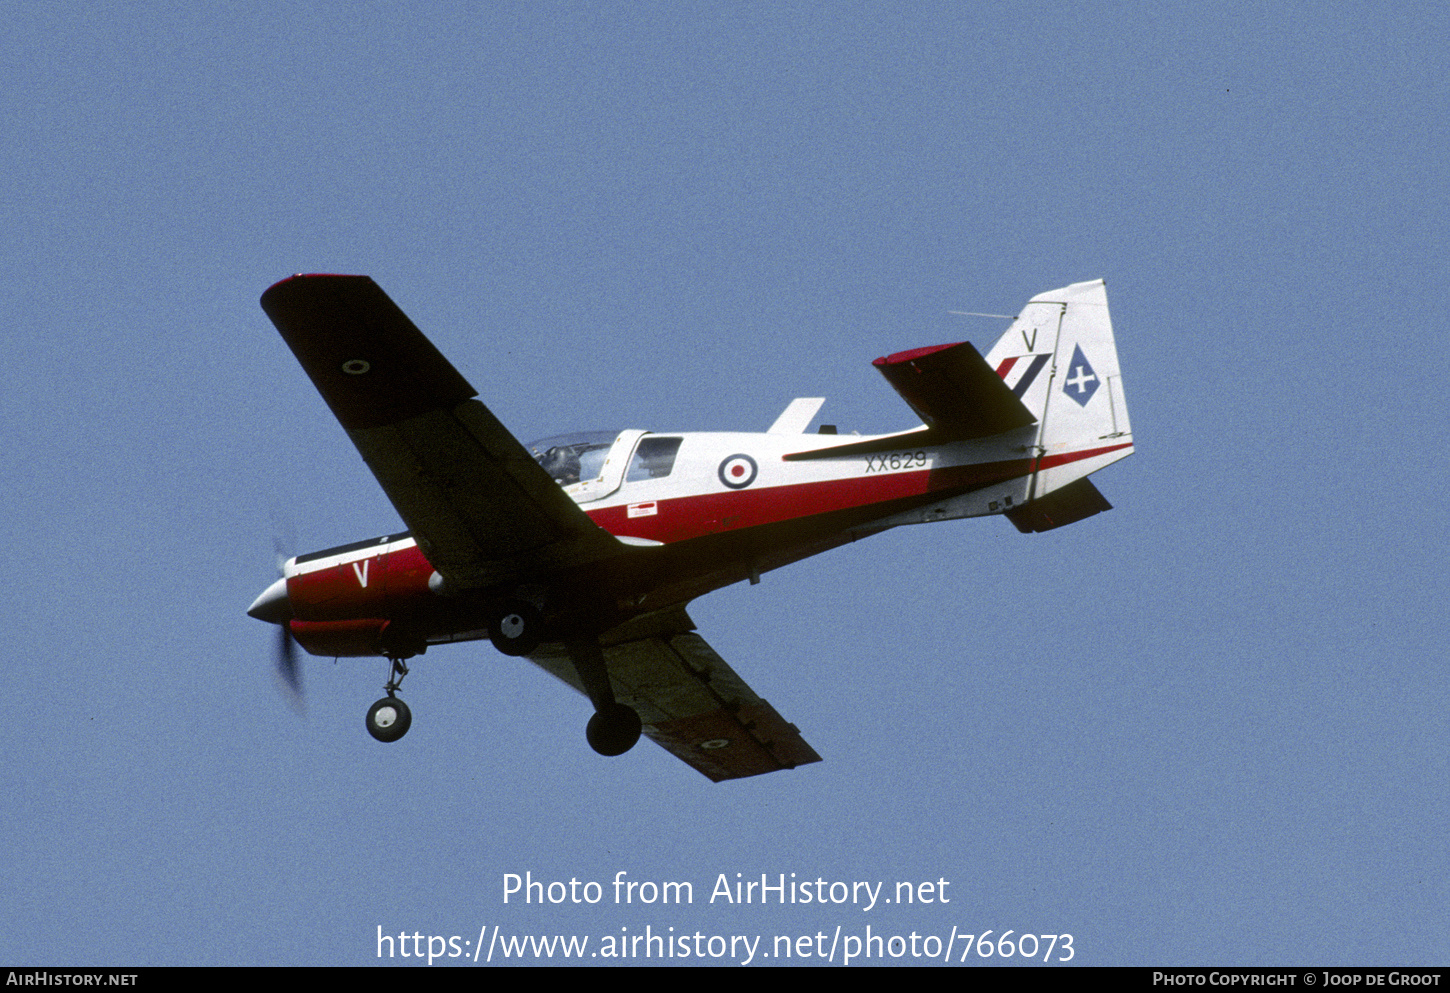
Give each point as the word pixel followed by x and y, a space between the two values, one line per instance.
pixel 738 471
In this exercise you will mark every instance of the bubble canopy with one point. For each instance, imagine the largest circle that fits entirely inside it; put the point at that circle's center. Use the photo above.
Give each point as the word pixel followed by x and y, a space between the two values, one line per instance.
pixel 569 458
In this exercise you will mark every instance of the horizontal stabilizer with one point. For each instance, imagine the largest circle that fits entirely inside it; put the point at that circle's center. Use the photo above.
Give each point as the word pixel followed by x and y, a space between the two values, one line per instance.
pixel 1068 505
pixel 954 391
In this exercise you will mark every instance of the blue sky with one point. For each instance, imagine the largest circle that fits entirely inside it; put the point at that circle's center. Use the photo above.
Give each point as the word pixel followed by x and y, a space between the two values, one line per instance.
pixel 1208 727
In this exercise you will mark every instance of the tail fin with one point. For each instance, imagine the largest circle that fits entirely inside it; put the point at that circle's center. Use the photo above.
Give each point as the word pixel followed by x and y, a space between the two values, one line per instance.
pixel 1059 358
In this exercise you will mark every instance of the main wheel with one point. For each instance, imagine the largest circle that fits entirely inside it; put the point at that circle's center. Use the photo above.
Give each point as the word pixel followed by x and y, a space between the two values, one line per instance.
pixel 515 628
pixel 389 719
pixel 613 732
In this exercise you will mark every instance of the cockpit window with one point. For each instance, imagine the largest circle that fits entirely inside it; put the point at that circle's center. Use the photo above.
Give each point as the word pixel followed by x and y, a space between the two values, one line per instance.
pixel 653 459
pixel 569 458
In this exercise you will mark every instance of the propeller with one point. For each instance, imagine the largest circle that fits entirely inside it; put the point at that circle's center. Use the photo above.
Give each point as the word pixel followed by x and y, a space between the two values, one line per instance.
pixel 285 657
pixel 274 607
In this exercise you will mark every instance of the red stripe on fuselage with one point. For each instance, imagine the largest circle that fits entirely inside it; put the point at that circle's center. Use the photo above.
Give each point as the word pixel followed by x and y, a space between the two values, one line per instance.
pixel 683 518
pixel 394 580
pixel 709 513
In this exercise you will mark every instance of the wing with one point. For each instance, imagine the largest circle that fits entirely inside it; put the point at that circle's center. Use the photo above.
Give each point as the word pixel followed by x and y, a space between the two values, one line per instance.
pixel 481 509
pixel 691 702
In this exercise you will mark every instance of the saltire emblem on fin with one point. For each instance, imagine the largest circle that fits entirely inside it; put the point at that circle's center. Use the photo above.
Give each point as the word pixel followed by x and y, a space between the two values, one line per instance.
pixel 1081 382
pixel 1019 371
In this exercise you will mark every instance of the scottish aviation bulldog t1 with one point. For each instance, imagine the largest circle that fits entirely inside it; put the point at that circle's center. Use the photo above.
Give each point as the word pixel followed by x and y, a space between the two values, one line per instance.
pixel 580 552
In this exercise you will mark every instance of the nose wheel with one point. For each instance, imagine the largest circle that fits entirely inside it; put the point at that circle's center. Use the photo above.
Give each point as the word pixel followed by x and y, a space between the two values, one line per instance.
pixel 390 718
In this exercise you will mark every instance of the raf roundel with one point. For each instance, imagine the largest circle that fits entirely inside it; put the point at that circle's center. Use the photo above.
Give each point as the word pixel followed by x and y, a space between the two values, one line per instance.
pixel 738 471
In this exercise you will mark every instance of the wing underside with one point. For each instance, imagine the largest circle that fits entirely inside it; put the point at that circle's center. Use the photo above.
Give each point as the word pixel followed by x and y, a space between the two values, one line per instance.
pixel 480 507
pixel 692 704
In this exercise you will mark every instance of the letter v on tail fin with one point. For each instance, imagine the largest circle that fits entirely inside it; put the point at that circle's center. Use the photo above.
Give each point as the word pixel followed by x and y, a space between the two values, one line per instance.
pixel 1060 359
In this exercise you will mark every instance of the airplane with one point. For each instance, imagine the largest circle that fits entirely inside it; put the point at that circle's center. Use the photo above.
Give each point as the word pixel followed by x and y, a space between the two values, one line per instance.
pixel 580 552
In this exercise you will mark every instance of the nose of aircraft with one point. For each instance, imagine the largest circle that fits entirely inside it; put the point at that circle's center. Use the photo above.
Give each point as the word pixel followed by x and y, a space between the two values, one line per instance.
pixel 272 606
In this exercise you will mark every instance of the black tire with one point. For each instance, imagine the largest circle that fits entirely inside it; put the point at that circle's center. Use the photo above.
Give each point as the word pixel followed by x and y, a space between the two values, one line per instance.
pixel 389 719
pixel 613 732
pixel 515 627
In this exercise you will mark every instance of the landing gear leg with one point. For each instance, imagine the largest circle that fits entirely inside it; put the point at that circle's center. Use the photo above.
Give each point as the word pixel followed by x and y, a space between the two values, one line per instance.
pixel 614 728
pixel 390 718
